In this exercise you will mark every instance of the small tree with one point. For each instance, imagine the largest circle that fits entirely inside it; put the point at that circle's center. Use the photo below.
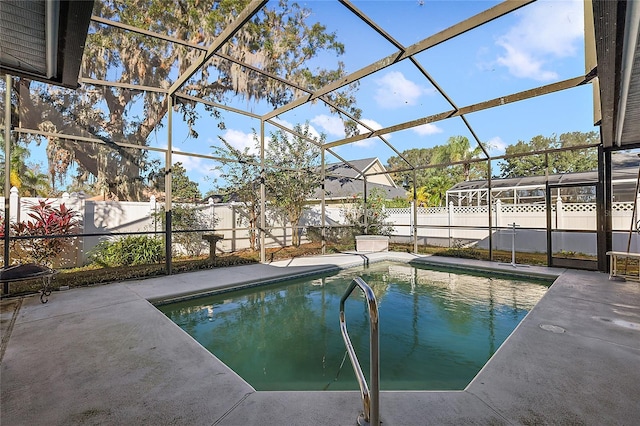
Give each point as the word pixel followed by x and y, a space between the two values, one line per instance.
pixel 187 217
pixel 242 177
pixel 368 217
pixel 182 188
pixel 293 175
pixel 46 221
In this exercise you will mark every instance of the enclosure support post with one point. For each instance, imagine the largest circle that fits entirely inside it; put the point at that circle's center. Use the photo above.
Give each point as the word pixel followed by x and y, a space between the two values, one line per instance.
pixel 603 209
pixel 547 193
pixel 366 210
pixel 414 212
pixel 263 253
pixel 7 172
pixel 167 188
pixel 489 205
pixel 323 236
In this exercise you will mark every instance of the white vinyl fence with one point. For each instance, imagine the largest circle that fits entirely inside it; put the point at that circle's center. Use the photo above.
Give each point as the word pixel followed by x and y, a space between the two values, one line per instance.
pixel 444 226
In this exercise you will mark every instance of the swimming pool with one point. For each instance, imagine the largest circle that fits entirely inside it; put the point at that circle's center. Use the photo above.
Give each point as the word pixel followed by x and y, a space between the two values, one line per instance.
pixel 437 327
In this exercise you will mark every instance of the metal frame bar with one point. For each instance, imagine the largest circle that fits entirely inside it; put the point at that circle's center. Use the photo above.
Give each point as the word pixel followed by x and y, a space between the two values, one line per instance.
pixel 229 31
pixel 605 175
pixel 590 58
pixel 403 53
pixel 168 166
pixel 444 35
pixel 96 82
pixel 502 100
pixel 7 173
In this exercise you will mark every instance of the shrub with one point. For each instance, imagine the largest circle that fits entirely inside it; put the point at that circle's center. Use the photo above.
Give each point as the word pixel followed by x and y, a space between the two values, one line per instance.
pixel 128 251
pixel 374 211
pixel 45 221
pixel 332 235
pixel 185 217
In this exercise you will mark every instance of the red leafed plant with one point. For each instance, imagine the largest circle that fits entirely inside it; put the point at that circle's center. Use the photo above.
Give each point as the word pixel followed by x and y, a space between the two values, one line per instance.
pixel 45 220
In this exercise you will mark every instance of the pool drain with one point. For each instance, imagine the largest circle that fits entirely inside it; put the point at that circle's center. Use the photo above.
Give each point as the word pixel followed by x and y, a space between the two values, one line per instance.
pixel 552 328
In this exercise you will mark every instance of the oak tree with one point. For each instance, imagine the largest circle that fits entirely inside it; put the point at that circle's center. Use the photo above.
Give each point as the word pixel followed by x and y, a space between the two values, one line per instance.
pixel 279 40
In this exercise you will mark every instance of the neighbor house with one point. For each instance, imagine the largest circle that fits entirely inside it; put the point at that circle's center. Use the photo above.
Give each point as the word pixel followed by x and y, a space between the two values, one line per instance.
pixel 344 180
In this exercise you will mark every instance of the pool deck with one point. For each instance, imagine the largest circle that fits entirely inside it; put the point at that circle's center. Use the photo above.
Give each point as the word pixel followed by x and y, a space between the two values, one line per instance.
pixel 106 355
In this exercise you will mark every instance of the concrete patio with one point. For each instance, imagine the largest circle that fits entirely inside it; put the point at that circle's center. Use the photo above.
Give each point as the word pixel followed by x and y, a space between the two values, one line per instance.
pixel 106 355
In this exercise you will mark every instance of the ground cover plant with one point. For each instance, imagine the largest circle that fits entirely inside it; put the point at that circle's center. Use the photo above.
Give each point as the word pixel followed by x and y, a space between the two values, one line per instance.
pixel 131 250
pixel 95 274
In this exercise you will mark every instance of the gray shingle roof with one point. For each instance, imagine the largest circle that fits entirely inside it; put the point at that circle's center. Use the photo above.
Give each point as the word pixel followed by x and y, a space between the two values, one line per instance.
pixel 343 182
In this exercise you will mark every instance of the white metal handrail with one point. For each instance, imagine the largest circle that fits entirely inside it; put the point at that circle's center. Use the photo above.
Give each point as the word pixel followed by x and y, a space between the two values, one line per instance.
pixel 370 398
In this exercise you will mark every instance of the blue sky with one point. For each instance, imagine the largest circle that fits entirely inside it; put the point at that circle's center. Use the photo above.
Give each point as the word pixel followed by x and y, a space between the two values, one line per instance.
pixel 539 44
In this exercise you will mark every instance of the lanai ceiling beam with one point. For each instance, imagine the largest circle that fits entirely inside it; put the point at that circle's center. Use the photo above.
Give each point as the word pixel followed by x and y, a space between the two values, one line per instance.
pixel 500 157
pixel 372 24
pixel 86 139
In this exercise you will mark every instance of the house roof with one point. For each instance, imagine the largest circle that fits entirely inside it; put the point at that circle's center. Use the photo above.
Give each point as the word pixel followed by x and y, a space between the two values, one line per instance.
pixel 624 166
pixel 355 169
pixel 345 188
pixel 343 181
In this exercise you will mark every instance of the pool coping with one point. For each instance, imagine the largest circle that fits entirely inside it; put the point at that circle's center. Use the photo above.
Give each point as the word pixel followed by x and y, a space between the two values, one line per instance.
pixel 546 274
pixel 96 338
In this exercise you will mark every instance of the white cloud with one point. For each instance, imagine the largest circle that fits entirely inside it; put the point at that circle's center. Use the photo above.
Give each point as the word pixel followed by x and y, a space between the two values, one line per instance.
pixel 240 140
pixel 282 122
pixel 332 126
pixel 496 145
pixel 395 91
pixel 427 129
pixel 198 169
pixel 363 130
pixel 546 30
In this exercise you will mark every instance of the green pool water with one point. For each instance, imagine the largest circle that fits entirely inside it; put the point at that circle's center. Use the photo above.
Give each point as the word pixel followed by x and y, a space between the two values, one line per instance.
pixel 437 328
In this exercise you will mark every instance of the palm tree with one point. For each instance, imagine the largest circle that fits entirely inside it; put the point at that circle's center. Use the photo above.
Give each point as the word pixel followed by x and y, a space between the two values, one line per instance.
pixel 434 193
pixel 28 180
pixel 34 184
pixel 457 149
